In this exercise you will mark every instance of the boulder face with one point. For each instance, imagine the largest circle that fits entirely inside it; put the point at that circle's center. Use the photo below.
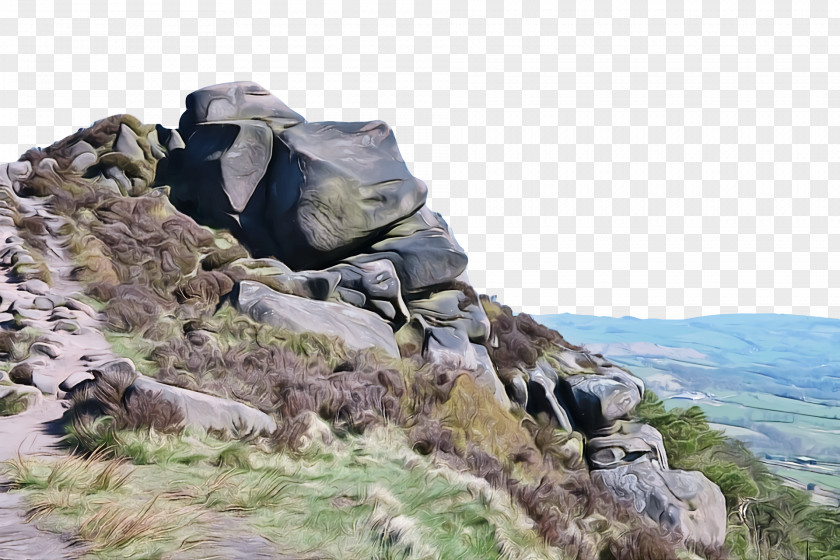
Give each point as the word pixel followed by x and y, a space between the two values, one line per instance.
pixel 358 328
pixel 680 501
pixel 305 193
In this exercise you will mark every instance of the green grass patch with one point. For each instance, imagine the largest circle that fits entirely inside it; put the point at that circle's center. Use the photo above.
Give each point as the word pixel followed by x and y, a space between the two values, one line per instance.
pixel 766 518
pixel 361 496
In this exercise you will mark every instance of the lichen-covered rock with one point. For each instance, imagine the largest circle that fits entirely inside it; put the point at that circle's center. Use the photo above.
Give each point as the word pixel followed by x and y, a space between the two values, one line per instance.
pixel 308 194
pixel 423 251
pixel 358 328
pixel 339 185
pixel 453 308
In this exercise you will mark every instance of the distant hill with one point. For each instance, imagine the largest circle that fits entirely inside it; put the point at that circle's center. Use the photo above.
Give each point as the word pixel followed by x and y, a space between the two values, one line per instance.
pixel 772 381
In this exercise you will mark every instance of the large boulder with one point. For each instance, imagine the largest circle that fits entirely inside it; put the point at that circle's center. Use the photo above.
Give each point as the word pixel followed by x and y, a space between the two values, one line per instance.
pixel 235 101
pixel 423 251
pixel 685 502
pixel 309 194
pixel 357 328
pixel 341 184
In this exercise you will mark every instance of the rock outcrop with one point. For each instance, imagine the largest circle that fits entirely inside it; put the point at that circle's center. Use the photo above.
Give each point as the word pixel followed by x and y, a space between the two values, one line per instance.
pixel 333 196
pixel 341 244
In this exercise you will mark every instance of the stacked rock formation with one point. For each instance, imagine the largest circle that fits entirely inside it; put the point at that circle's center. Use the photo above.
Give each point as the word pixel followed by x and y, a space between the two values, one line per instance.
pixel 343 244
pixel 589 395
pixel 335 196
pixel 339 197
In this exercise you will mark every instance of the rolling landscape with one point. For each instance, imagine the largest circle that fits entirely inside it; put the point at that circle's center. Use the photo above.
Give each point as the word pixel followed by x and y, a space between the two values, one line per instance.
pixel 770 381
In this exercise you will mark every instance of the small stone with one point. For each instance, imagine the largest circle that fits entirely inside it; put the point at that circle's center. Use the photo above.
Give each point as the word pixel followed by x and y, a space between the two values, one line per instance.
pixel 21 256
pixel 66 326
pixel 21 374
pixel 35 286
pixel 47 349
pixel 43 303
pixel 83 156
pixel 19 170
pixel 60 313
pixel 74 380
pixel 83 161
pixel 77 305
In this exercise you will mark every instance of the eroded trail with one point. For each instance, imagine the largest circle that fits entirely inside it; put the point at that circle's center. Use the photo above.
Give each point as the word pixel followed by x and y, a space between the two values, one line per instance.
pixel 67 342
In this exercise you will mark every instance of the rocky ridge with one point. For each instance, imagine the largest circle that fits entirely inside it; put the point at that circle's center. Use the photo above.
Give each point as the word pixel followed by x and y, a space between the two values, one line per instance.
pixel 339 243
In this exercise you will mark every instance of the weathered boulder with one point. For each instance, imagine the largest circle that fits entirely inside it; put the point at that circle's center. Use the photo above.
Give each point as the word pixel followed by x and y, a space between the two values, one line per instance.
pixel 226 161
pixel 358 328
pixel 235 101
pixel 627 458
pixel 199 410
pixel 340 185
pixel 453 308
pixel 542 388
pixel 311 284
pixel 308 194
pixel 371 282
pixel 685 502
pixel 208 412
pixel 630 441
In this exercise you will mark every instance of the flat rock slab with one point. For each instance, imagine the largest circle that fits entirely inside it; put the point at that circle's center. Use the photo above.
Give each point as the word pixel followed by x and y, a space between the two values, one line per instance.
pixel 359 329
pixel 209 412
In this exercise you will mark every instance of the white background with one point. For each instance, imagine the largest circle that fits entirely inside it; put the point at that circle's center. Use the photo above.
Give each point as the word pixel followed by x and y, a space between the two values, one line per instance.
pixel 646 158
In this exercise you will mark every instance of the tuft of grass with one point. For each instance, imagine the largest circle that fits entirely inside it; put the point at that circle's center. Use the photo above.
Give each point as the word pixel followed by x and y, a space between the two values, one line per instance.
pixel 15 402
pixel 115 528
pixel 91 474
pixel 15 343
pixel 143 446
